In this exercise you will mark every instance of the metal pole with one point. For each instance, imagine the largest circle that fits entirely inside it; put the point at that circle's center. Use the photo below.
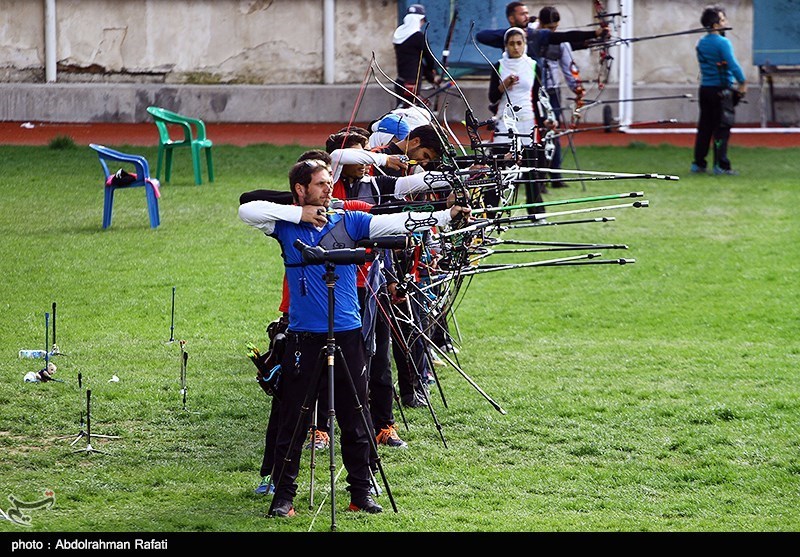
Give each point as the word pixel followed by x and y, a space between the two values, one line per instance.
pixel 50 40
pixel 329 40
pixel 626 66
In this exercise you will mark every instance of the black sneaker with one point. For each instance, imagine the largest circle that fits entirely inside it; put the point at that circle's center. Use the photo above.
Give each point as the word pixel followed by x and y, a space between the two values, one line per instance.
pixel 448 347
pixel 282 508
pixel 413 401
pixel 365 504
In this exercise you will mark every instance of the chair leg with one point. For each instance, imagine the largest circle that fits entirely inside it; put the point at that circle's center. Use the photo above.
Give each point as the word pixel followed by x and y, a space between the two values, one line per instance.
pixel 108 203
pixel 152 205
pixel 160 159
pixel 168 166
pixel 210 165
pixel 196 165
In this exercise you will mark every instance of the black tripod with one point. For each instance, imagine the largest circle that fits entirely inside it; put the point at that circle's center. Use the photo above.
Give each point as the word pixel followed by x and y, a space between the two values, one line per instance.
pixel 328 355
pixel 88 432
pixel 55 350
pixel 172 320
pixel 184 384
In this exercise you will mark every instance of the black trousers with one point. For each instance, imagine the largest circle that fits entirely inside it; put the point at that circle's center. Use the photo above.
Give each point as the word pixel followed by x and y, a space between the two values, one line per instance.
pixel 555 162
pixel 300 365
pixel 709 128
pixel 533 156
pixel 268 462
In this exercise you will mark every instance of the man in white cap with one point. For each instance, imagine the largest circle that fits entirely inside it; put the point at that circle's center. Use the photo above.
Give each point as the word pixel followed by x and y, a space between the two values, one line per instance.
pixel 414 60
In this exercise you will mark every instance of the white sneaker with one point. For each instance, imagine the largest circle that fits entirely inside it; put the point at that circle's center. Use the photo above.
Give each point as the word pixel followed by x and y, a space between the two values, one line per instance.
pixel 450 348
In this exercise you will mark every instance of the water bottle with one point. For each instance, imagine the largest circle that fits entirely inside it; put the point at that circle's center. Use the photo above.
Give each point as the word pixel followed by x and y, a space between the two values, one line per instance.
pixel 32 353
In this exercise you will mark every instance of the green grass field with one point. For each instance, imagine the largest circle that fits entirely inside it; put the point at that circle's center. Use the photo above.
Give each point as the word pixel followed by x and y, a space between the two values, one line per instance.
pixel 662 396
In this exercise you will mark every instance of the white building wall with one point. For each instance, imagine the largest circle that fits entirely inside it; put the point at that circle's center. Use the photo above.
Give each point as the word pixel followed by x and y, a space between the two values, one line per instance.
pixel 280 41
pixel 278 44
pixel 193 41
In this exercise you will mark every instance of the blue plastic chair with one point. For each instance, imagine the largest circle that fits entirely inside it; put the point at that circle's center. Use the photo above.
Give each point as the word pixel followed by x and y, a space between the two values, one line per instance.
pixel 142 172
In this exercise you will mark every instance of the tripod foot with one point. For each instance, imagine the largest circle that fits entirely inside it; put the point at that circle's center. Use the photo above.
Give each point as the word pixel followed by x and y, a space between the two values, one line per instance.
pixel 89 449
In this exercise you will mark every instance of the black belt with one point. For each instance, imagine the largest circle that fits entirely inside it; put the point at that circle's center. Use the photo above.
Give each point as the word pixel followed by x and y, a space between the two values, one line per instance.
pixel 297 337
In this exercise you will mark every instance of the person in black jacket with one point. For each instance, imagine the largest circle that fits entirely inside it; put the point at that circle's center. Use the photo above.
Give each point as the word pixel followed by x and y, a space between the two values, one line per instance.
pixel 415 62
pixel 538 38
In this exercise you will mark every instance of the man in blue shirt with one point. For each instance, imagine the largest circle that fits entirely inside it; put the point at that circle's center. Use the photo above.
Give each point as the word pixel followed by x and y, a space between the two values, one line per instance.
pixel 310 221
pixel 718 69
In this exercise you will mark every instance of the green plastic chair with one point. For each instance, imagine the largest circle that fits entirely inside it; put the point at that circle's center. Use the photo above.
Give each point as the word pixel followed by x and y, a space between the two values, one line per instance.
pixel 194 137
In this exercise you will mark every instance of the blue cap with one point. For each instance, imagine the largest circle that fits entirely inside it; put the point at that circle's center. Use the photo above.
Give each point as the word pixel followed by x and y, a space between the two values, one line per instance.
pixel 394 124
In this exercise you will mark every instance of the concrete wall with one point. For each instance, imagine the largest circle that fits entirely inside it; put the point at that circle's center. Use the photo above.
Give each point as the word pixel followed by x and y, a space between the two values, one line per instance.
pixel 256 42
pixel 262 60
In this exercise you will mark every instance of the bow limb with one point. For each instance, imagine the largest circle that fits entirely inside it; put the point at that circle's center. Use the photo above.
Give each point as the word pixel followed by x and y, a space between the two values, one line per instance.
pixel 434 122
pixel 578 101
pixel 448 40
pixel 602 17
pixel 577 105
pixel 604 20
pixel 470 120
pixel 549 114
pixel 360 98
pixel 459 188
pixel 450 131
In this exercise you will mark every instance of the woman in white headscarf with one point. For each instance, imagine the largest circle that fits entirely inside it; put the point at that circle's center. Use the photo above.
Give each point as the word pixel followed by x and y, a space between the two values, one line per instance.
pixel 514 87
pixel 414 60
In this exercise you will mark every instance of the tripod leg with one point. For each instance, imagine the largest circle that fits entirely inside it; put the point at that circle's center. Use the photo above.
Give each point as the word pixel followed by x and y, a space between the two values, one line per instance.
pixel 396 398
pixel 313 464
pixel 382 394
pixel 78 438
pixel 366 422
pixel 301 424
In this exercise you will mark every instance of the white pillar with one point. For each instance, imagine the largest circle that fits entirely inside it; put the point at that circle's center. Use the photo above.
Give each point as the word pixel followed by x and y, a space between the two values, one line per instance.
pixel 626 66
pixel 50 40
pixel 329 40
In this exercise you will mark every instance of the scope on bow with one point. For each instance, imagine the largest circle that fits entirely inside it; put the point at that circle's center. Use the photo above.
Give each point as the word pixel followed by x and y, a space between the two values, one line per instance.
pixel 316 255
pixel 386 242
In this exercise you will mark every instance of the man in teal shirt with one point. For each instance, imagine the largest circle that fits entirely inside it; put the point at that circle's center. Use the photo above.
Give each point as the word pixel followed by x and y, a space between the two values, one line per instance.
pixel 718 69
